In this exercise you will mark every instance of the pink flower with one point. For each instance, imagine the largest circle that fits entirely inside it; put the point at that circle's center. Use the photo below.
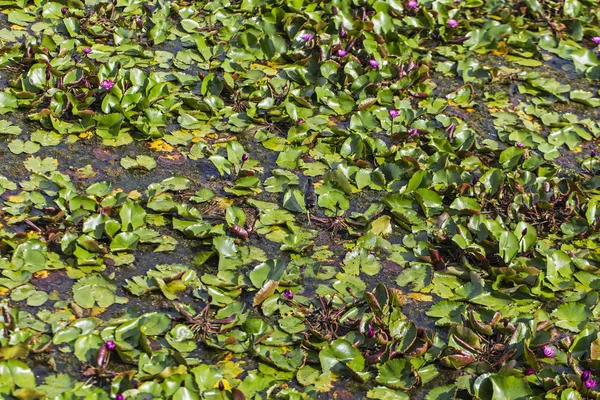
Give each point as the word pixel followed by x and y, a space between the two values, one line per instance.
pixel 596 39
pixel 371 332
pixel 393 113
pixel 341 52
pixel 452 23
pixel 590 383
pixel 520 145
pixel 87 50
pixel 307 36
pixel 110 345
pixel 119 396
pixel 548 351
pixel 413 5
pixel 373 63
pixel 301 120
pixel 413 132
pixel 288 294
pixel 529 371
pixel 107 84
pixel 586 375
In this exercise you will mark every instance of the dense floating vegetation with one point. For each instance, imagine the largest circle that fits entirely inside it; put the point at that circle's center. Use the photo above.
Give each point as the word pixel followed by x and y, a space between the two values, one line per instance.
pixel 281 198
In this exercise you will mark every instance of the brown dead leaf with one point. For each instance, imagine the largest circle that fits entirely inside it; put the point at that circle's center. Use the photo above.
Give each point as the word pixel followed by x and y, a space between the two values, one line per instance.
pixel 264 292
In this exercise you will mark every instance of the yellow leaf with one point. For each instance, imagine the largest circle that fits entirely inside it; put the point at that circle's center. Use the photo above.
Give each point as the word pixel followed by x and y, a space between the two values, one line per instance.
pixel 134 195
pixel 18 27
pixel 226 384
pixel 4 292
pixel 41 274
pixel 577 149
pixel 18 198
pixel 267 70
pixel 420 297
pixel 85 172
pixel 501 50
pixel 161 145
pixel 97 311
pixel 231 369
pixel 85 134
pixel 222 202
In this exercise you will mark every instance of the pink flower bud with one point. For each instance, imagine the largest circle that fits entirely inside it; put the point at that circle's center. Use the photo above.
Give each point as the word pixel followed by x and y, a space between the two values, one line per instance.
pixel 548 351
pixel 452 23
pixel 107 84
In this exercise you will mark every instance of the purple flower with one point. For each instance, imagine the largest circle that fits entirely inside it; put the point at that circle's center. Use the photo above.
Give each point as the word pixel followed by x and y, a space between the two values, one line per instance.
pixel 590 383
pixel 47 74
pixel 307 36
pixel 120 396
pixel 107 84
pixel 341 52
pixel 63 11
pixel 413 132
pixel 529 371
pixel 452 23
pixel 288 294
pixel 413 5
pixel 87 50
pixel 520 145
pixel 586 375
pixel 110 345
pixel 548 351
pixel 301 121
pixel 373 63
pixel 244 157
pixel 594 153
pixel 371 332
pixel 596 39
pixel 393 113
pixel 342 32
